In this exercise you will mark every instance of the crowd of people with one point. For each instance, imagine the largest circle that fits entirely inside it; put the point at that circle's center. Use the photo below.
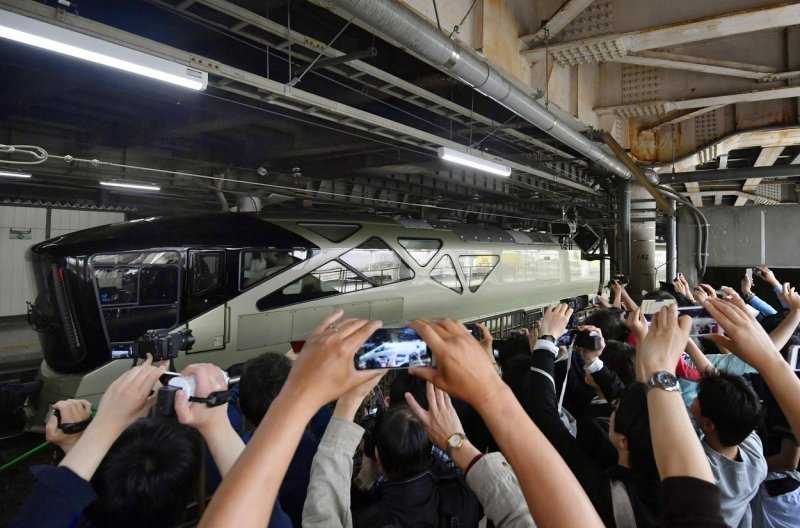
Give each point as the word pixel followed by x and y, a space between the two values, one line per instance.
pixel 646 426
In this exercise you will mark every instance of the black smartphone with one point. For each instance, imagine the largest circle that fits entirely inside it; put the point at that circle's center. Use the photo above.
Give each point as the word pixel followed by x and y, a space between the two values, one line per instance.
pixel 588 340
pixel 393 348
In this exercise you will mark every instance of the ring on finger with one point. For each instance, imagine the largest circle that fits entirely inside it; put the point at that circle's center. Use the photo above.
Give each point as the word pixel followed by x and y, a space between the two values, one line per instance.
pixel 333 327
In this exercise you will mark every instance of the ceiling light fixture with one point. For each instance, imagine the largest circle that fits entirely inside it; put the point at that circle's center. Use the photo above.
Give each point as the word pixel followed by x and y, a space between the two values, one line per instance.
pixel 131 185
pixel 13 174
pixel 60 40
pixel 462 158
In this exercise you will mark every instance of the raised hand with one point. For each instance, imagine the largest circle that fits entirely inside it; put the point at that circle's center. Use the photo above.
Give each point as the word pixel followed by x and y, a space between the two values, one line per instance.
pixel 744 336
pixel 767 276
pixel 636 323
pixel 554 321
pixel 325 369
pixel 208 378
pixel 71 411
pixel 790 298
pixel 129 397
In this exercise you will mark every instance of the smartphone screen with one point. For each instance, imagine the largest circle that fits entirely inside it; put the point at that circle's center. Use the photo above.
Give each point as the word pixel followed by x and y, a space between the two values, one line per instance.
pixel 702 322
pixel 394 348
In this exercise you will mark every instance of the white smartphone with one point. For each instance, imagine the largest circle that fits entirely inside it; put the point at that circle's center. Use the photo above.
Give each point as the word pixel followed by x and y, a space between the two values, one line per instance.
pixel 794 357
pixel 749 274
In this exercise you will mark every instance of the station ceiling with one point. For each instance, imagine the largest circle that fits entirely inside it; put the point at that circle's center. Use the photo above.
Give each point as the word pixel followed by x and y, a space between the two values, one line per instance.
pixel 228 143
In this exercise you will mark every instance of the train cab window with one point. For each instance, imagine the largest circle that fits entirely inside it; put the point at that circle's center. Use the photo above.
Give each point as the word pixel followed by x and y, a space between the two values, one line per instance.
pixel 421 250
pixel 137 292
pixel 476 268
pixel 206 271
pixel 371 264
pixel 333 232
pixel 445 274
pixel 377 262
pixel 256 265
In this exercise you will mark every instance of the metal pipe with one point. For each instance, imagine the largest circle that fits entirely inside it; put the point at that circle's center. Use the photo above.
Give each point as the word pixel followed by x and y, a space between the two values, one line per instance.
pixel 415 33
pixel 744 173
pixel 672 242
pixel 624 248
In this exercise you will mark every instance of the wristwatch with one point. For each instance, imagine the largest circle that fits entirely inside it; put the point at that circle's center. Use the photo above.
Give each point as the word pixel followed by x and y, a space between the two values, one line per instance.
pixel 664 380
pixel 548 338
pixel 455 441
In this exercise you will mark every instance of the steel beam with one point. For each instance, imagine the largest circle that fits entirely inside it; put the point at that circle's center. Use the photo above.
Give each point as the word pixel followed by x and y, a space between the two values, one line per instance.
pixel 561 19
pixel 739 174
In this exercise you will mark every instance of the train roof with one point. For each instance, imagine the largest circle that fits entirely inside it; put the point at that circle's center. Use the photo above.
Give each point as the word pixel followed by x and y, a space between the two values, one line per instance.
pixel 247 229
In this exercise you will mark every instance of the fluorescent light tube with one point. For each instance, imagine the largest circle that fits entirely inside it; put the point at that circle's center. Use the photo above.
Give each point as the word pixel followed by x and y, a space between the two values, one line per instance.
pixel 12 174
pixel 475 162
pixel 60 40
pixel 135 186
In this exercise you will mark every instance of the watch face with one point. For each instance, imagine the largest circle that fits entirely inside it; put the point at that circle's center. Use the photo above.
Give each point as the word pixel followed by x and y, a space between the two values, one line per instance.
pixel 666 379
pixel 455 441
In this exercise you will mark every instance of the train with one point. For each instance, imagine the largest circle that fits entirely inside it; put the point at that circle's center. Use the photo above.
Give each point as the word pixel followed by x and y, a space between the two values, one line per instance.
pixel 248 283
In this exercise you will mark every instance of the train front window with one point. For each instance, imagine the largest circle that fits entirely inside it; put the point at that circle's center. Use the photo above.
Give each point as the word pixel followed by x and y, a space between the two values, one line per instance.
pixel 137 292
pixel 476 268
pixel 257 265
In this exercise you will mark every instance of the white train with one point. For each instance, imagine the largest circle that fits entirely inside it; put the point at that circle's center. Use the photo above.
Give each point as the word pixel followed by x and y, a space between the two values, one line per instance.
pixel 248 283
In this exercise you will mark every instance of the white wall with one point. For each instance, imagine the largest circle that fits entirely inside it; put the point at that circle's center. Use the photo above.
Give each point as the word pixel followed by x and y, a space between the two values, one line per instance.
pixel 15 285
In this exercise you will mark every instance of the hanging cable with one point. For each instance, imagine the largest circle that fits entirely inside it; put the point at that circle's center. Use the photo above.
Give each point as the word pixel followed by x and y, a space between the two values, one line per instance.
pixel 321 53
pixel 436 12
pixel 457 27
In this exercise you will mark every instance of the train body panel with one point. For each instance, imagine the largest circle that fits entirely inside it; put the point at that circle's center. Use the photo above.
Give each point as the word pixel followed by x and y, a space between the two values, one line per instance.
pixel 252 283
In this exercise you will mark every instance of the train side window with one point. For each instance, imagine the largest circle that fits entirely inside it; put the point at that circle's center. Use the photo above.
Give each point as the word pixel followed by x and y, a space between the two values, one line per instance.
pixel 206 271
pixel 329 279
pixel 476 268
pixel 377 262
pixel 422 250
pixel 258 264
pixel 445 274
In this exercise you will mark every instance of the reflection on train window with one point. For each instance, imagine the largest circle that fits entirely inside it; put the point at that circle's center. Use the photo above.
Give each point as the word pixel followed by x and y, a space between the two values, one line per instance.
pixel 258 264
pixel 206 271
pixel 421 250
pixel 445 274
pixel 476 268
pixel 377 262
pixel 137 292
pixel 370 265
pixel 333 232
pixel 118 285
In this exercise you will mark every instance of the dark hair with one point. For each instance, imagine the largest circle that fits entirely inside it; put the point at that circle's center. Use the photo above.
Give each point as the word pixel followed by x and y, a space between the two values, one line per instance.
pixel 405 382
pixel 632 420
pixel 403 445
pixel 731 404
pixel 621 358
pixel 608 321
pixel 148 476
pixel 659 295
pixel 262 379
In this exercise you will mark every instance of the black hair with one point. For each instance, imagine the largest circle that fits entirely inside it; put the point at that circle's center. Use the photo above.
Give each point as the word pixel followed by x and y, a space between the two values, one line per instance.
pixel 731 404
pixel 632 420
pixel 148 476
pixel 608 321
pixel 262 379
pixel 621 358
pixel 405 382
pixel 402 442
pixel 659 295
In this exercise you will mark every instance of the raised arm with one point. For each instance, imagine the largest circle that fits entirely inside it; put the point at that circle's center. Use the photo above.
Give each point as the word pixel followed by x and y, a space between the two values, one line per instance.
pixel 554 496
pixel 676 447
pixel 323 371
pixel 784 331
pixel 748 340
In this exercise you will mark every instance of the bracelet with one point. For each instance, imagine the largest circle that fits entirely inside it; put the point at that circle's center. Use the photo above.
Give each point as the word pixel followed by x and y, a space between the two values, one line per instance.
pixel 472 463
pixel 748 296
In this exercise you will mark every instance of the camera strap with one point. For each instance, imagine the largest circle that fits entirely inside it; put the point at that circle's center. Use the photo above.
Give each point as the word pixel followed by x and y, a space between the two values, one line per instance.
pixel 72 428
pixel 214 399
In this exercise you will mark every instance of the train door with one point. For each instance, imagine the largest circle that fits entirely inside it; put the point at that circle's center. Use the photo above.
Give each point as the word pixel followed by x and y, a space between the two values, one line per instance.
pixel 206 309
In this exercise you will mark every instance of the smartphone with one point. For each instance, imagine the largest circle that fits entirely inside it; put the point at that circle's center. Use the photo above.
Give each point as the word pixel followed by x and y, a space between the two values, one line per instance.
pixel 393 348
pixel 650 306
pixel 702 322
pixel 749 274
pixel 794 357
pixel 595 301
pixel 587 340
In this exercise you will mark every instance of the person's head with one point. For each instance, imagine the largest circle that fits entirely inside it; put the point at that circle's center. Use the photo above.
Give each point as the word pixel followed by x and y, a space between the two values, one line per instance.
pixel 402 445
pixel 621 358
pixel 608 321
pixel 629 431
pixel 148 476
pixel 658 295
pixel 262 379
pixel 726 408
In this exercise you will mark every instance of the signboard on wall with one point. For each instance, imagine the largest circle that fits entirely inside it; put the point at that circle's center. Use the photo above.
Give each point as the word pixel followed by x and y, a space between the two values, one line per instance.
pixel 20 233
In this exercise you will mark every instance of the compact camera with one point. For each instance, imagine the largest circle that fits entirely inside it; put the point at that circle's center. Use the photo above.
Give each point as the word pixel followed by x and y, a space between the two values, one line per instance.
pixel 162 345
pixel 583 339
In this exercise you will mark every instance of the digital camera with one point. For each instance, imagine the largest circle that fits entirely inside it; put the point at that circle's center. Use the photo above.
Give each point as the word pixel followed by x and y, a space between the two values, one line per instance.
pixel 163 345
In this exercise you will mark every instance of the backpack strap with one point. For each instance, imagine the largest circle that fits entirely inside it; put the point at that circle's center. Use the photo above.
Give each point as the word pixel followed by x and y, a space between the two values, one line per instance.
pixel 623 510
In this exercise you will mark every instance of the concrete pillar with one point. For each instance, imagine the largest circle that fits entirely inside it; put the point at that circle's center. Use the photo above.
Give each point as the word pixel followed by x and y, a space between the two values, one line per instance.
pixel 643 242
pixel 624 228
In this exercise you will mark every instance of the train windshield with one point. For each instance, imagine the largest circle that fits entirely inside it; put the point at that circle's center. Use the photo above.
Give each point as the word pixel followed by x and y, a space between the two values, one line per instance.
pixel 137 292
